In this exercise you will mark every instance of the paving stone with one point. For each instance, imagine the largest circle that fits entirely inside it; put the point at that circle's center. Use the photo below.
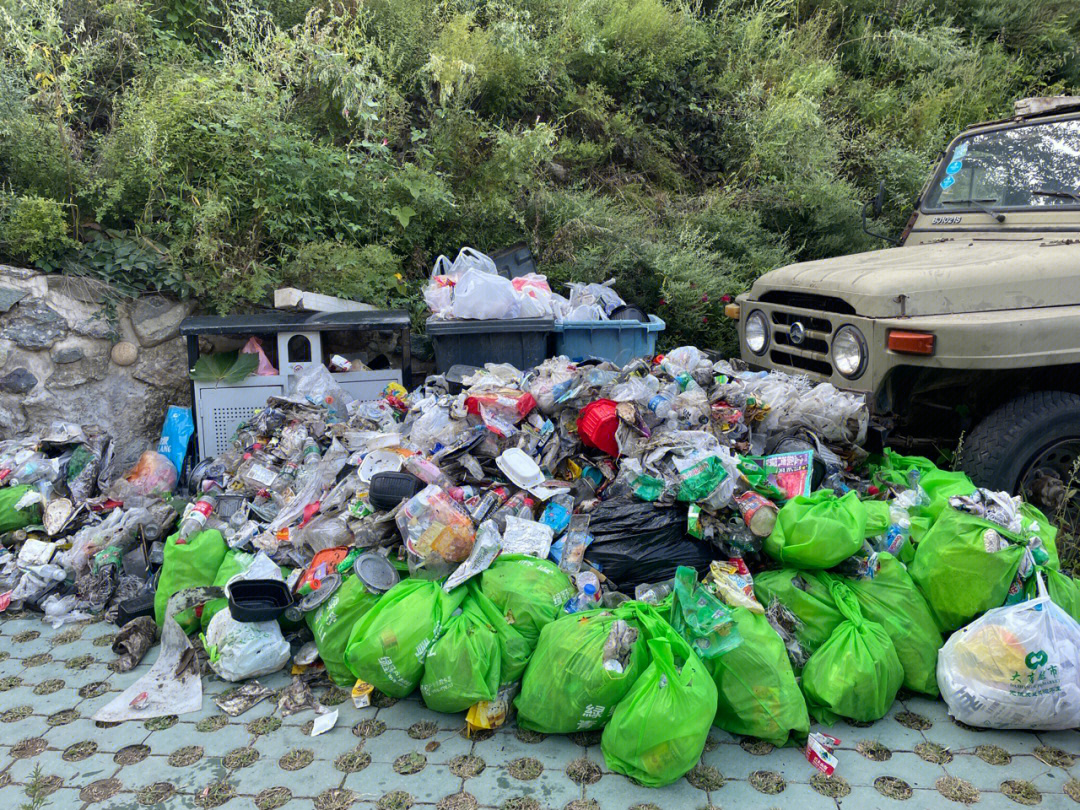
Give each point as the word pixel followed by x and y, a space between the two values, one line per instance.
pixel 216 743
pixel 494 786
pixel 436 781
pixel 617 792
pixel 737 794
pixel 734 762
pixel 985 776
pixel 429 785
pixel 406 712
pixel 156 769
pixel 554 751
pixel 98 766
pixel 109 740
pixel 1052 781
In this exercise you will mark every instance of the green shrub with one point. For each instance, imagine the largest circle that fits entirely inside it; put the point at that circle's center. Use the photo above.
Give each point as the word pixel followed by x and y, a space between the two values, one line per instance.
pixel 682 147
pixel 371 274
pixel 34 228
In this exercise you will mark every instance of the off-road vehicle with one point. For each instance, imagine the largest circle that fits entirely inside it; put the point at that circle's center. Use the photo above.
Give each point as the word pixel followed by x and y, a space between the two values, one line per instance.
pixel 967 332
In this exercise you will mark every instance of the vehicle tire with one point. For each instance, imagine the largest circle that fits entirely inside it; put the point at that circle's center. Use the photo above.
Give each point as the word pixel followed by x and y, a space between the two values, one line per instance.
pixel 1001 449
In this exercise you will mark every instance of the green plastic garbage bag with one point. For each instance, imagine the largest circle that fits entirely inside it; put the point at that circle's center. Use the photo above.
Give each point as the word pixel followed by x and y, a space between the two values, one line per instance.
pixel 332 623
pixel 958 576
pixel 658 730
pixel 757 694
pixel 1062 589
pixel 856 673
pixel 892 600
pixel 234 562
pixel 530 592
pixel 477 654
pixel 387 647
pixel 12 518
pixel 188 565
pixel 895 467
pixel 818 531
pixel 462 666
pixel 805 595
pixel 566 686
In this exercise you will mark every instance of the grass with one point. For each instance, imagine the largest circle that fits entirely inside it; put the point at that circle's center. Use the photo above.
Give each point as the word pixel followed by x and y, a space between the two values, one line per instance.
pixel 36 790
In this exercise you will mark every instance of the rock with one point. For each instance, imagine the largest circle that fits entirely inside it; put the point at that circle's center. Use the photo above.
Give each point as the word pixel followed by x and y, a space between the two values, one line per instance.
pixel 124 353
pixel 67 354
pixel 18 381
pixel 130 411
pixel 81 288
pixel 160 366
pixel 10 296
pixel 6 347
pixel 17 272
pixel 97 327
pixel 12 421
pixel 156 319
pixel 34 325
pixel 80 373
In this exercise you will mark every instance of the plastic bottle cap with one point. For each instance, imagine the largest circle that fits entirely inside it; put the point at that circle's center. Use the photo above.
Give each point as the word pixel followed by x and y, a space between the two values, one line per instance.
pixel 589 588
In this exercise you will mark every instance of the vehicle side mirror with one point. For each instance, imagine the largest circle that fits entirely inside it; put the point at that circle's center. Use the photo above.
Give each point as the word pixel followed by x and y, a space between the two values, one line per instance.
pixel 875 207
pixel 879 200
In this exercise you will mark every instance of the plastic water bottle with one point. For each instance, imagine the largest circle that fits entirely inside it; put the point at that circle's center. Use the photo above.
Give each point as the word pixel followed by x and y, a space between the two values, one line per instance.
pixel 198 514
pixel 662 401
pixel 583 599
pixel 652 594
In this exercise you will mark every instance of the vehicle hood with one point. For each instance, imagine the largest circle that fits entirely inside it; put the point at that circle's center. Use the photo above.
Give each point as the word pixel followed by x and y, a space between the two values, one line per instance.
pixel 940 279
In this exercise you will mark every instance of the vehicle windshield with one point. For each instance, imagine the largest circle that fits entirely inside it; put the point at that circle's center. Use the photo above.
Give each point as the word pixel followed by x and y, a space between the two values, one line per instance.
pixel 1030 166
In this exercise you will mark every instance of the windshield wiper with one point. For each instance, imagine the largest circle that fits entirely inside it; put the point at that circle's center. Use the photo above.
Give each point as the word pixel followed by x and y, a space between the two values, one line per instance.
pixel 1048 192
pixel 986 209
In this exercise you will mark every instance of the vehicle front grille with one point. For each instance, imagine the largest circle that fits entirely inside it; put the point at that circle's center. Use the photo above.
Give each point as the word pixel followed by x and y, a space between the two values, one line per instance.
pixel 812 353
pixel 801 300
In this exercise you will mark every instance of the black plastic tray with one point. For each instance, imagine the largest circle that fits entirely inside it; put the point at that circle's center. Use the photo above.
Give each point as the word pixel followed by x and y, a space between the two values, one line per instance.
pixel 258 600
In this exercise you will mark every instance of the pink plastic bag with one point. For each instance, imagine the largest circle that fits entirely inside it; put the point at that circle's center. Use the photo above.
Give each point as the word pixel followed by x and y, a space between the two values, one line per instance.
pixel 266 368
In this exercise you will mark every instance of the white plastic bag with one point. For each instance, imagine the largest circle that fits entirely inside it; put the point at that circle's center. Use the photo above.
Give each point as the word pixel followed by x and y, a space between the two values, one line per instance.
pixel 1015 667
pixel 317 386
pixel 485 296
pixel 241 650
pixel 472 259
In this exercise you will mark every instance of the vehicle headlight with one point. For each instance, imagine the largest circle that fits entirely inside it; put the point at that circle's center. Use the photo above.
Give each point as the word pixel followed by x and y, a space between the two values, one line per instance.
pixel 756 332
pixel 849 351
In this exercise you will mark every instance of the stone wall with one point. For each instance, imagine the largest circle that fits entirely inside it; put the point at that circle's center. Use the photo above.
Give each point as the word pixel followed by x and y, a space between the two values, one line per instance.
pixel 72 351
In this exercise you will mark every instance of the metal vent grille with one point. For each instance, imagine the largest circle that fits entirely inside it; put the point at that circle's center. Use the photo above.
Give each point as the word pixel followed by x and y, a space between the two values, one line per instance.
pixel 225 421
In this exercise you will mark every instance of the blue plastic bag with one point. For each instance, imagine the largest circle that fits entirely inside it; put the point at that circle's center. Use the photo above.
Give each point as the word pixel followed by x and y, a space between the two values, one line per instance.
pixel 175 435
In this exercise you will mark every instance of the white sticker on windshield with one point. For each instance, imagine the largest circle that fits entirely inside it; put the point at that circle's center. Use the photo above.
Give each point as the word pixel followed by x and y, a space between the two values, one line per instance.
pixel 948 181
pixel 960 151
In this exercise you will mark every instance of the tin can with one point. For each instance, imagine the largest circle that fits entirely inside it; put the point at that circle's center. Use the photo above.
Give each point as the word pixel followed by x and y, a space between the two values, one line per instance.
pixel 758 512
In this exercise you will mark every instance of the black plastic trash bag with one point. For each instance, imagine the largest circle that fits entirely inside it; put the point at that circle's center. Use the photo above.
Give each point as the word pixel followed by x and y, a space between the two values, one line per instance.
pixel 635 542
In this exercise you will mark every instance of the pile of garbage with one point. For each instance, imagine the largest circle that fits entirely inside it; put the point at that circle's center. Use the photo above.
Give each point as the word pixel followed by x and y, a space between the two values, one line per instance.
pixel 647 550
pixel 470 287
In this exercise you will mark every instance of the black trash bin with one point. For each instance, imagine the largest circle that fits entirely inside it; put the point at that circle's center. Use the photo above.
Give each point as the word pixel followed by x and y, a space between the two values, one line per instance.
pixel 522 342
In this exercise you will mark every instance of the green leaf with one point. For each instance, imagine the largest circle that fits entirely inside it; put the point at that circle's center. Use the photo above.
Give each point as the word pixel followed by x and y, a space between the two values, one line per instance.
pixel 404 214
pixel 224 367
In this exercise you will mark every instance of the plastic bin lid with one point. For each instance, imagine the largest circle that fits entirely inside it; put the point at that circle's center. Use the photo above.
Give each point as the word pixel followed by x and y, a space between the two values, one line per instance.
pixel 376 572
pixel 326 589
pixel 452 326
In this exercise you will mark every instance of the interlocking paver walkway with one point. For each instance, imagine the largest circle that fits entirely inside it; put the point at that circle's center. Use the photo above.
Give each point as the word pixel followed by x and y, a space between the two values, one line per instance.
pixel 399 754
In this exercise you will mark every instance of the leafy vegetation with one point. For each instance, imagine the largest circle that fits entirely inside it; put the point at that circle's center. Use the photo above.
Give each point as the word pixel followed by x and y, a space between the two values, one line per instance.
pixel 682 146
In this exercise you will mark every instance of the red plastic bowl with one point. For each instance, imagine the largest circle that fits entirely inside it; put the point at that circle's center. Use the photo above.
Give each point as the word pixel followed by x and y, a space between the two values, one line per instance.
pixel 597 424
